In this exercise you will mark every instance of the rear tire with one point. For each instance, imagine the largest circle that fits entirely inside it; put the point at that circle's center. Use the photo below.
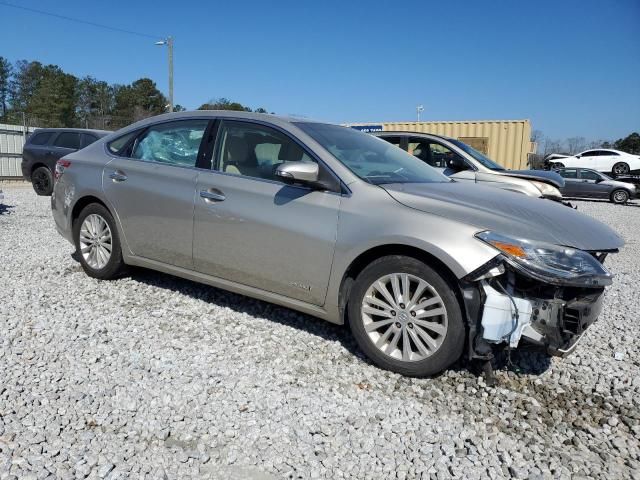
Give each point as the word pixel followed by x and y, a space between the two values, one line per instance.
pixel 401 330
pixel 97 243
pixel 621 168
pixel 619 196
pixel 42 181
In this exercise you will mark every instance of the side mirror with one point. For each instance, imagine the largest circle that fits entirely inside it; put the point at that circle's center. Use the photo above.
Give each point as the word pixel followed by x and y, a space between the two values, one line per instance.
pixel 457 163
pixel 298 172
pixel 599 180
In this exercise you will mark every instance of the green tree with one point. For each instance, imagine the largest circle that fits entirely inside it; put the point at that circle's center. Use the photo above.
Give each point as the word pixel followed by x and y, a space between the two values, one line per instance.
pixel 6 71
pixel 27 76
pixel 95 102
pixel 179 108
pixel 223 104
pixel 139 100
pixel 629 144
pixel 54 100
pixel 45 93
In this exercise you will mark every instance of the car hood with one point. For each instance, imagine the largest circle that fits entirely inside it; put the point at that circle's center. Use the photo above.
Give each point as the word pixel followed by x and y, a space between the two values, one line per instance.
pixel 540 175
pixel 507 213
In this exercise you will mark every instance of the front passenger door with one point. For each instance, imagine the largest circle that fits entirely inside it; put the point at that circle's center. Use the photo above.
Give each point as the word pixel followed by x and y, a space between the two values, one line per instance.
pixel 252 229
pixel 151 186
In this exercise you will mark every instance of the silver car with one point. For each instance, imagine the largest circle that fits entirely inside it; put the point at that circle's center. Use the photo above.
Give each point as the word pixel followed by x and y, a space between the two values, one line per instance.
pixel 588 183
pixel 460 162
pixel 340 225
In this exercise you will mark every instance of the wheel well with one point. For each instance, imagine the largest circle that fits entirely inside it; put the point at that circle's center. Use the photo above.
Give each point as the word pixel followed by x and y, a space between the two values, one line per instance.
pixel 83 202
pixel 613 192
pixel 38 165
pixel 364 259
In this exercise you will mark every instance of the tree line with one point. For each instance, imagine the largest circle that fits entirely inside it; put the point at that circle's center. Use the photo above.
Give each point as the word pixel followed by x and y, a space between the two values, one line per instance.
pixel 46 96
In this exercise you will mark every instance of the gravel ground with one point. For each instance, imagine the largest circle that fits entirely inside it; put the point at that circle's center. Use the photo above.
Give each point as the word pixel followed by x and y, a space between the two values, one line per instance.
pixel 152 376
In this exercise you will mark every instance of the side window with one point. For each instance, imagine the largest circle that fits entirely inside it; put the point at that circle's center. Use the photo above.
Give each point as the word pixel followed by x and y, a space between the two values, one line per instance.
pixel 40 138
pixel 88 139
pixel 569 173
pixel 397 141
pixel 256 151
pixel 591 153
pixel 116 146
pixel 175 143
pixel 68 140
pixel 588 175
pixel 433 153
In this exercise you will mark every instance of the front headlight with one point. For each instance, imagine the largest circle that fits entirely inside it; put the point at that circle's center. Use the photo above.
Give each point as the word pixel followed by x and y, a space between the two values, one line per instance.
pixel 549 263
pixel 547 190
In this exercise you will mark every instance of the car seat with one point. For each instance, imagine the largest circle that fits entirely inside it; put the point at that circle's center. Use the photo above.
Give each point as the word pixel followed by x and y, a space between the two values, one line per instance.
pixel 239 159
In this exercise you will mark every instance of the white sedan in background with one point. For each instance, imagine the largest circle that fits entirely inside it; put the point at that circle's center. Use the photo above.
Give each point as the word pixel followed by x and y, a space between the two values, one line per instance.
pixel 603 160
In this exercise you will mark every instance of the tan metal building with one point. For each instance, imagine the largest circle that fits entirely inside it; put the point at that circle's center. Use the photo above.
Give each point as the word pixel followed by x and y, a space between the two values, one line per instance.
pixel 508 142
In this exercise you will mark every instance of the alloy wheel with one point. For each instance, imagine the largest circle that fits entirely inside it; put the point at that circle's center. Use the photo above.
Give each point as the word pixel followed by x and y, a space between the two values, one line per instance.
pixel 404 317
pixel 40 182
pixel 96 242
pixel 620 196
pixel 621 168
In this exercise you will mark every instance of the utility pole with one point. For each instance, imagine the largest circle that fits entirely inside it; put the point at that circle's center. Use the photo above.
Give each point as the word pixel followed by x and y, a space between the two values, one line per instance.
pixel 169 43
pixel 419 110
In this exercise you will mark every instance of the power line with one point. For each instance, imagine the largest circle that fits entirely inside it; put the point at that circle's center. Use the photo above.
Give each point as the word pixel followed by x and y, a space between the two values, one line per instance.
pixel 77 20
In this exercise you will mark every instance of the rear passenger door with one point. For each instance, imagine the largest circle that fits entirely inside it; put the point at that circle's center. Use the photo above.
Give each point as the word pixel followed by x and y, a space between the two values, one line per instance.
pixel 151 184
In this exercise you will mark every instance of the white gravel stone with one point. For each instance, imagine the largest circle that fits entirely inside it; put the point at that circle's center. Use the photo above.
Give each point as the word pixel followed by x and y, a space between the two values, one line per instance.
pixel 152 376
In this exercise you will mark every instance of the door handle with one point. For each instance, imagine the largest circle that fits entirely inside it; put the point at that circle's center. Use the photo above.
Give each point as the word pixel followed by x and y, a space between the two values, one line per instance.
pixel 211 196
pixel 117 176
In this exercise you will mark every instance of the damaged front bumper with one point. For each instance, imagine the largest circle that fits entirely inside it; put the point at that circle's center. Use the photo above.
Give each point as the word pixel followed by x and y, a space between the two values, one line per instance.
pixel 506 308
pixel 554 323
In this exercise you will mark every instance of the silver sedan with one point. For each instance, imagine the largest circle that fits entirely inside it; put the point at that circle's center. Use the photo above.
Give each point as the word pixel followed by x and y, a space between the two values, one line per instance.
pixel 340 225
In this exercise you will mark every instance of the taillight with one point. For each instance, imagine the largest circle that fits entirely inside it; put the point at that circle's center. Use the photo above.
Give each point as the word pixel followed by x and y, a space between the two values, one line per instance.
pixel 60 166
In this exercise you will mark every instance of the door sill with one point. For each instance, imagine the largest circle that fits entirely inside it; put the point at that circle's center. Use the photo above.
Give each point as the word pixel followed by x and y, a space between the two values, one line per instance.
pixel 235 287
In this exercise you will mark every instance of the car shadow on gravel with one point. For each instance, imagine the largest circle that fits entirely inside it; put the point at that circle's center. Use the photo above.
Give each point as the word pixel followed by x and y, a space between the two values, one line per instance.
pixel 5 209
pixel 593 200
pixel 523 361
pixel 520 362
pixel 250 306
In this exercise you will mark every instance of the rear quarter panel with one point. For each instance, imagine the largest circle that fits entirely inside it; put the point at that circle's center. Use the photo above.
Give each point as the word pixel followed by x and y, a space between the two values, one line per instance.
pixel 82 179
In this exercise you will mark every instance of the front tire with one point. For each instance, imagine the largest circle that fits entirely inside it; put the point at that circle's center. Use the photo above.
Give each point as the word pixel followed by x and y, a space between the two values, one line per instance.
pixel 42 181
pixel 621 168
pixel 405 317
pixel 557 165
pixel 98 243
pixel 619 196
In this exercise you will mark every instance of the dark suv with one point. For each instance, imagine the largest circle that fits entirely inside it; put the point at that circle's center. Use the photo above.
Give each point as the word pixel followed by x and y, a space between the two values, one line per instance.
pixel 46 146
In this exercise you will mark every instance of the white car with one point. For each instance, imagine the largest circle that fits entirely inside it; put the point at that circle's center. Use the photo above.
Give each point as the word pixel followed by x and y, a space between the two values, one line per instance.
pixel 602 159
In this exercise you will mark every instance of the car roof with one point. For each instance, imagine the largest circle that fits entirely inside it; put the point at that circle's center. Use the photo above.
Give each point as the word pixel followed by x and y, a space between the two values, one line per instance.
pixel 602 150
pixel 222 113
pixel 100 133
pixel 408 133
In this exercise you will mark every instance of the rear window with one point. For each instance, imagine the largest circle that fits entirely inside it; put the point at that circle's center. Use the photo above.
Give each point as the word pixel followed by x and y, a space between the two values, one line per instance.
pixel 68 140
pixel 40 138
pixel 88 139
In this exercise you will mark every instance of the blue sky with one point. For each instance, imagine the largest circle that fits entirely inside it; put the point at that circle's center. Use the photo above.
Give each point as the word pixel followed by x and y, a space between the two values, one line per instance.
pixel 572 67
